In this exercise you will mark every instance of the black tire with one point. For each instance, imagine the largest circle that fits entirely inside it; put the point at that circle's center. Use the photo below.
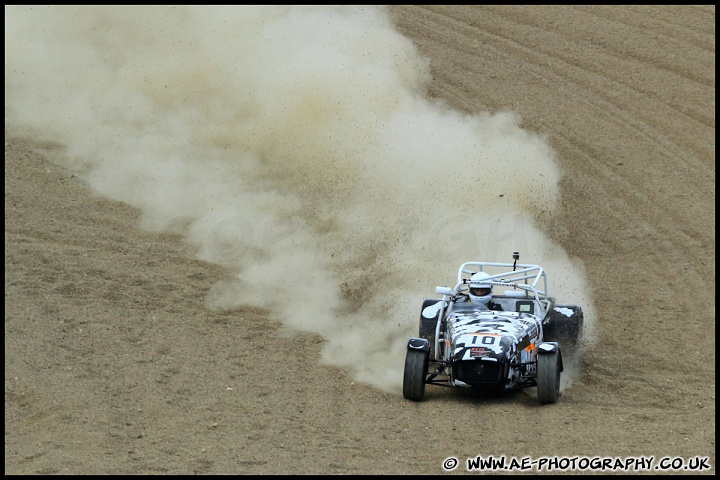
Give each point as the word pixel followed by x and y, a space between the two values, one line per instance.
pixel 416 365
pixel 548 377
pixel 563 329
pixel 427 325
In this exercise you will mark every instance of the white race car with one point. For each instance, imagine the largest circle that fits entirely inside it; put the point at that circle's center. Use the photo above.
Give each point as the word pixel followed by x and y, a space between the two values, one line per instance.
pixel 515 340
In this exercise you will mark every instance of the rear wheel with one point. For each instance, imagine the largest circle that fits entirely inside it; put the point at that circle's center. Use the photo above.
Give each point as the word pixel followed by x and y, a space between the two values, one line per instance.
pixel 564 326
pixel 416 365
pixel 428 322
pixel 548 377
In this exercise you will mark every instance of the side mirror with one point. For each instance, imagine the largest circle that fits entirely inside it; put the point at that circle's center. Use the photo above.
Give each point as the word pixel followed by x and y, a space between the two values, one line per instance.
pixel 443 290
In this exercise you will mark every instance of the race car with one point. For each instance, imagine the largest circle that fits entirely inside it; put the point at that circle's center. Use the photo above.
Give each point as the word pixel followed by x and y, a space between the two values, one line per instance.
pixel 514 340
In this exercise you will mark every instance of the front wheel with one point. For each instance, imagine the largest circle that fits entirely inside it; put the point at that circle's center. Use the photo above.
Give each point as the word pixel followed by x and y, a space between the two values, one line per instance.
pixel 416 365
pixel 548 377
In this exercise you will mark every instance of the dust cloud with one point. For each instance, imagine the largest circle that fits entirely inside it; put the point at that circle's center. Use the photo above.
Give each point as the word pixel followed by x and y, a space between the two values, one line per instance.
pixel 296 146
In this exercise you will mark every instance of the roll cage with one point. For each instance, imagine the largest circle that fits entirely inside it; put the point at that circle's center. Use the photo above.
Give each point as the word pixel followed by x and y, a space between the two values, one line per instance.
pixel 528 282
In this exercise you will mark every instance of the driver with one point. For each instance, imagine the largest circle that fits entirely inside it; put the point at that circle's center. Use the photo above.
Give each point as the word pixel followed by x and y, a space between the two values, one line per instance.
pixel 480 291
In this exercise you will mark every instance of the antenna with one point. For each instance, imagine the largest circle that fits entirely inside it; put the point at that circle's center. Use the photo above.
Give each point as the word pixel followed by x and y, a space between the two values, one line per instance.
pixel 516 257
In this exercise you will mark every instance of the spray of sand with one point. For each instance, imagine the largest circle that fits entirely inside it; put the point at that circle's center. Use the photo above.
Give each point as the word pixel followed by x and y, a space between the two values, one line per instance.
pixel 298 147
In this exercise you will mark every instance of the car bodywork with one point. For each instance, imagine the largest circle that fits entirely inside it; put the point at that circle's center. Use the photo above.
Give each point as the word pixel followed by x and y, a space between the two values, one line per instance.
pixel 518 345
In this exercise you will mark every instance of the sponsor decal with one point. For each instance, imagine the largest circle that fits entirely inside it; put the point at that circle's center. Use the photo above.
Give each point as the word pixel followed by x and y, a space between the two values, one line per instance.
pixel 479 352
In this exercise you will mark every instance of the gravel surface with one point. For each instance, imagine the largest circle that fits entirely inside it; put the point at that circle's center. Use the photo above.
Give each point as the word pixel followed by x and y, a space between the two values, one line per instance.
pixel 114 364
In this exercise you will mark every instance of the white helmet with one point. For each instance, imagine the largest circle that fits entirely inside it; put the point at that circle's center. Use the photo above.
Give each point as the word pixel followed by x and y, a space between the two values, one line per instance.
pixel 480 288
